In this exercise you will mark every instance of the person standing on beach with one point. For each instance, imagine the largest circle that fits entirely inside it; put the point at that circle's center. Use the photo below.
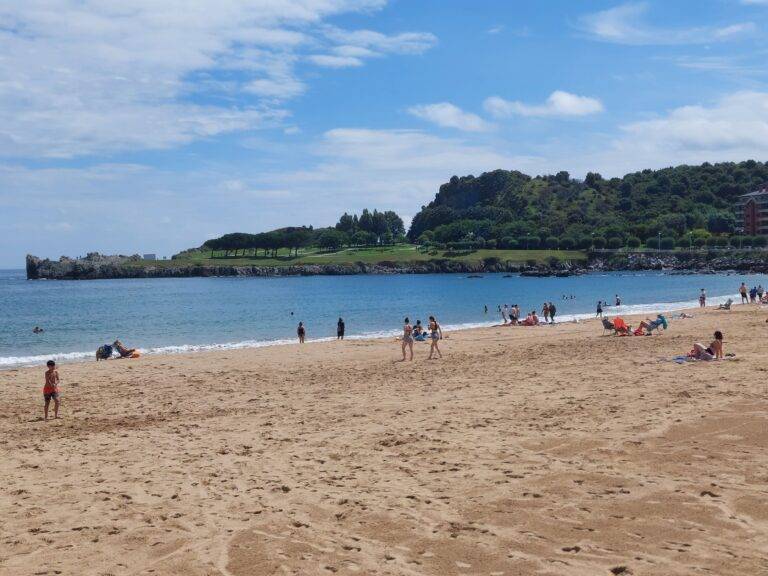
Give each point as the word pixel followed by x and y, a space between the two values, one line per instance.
pixel 545 312
pixel 618 300
pixel 51 389
pixel 340 329
pixel 599 313
pixel 552 311
pixel 505 313
pixel 703 298
pixel 435 335
pixel 301 332
pixel 743 292
pixel 407 338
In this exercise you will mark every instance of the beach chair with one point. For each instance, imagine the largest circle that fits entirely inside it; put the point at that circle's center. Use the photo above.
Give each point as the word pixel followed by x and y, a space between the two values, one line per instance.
pixel 620 327
pixel 660 322
pixel 608 326
pixel 726 306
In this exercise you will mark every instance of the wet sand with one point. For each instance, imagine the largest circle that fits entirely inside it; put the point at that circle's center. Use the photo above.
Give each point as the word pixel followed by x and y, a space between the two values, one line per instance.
pixel 552 451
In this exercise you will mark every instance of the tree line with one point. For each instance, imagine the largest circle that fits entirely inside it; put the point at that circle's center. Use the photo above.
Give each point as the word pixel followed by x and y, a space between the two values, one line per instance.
pixel 368 229
pixel 686 206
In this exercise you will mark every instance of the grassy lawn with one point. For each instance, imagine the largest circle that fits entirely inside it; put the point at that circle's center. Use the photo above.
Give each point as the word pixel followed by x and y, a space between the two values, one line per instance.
pixel 400 253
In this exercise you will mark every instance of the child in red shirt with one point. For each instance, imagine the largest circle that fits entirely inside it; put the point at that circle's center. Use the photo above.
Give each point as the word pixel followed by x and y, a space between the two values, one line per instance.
pixel 51 389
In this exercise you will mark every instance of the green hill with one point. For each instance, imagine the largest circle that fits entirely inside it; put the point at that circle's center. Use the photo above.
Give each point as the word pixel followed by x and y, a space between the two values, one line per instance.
pixel 508 209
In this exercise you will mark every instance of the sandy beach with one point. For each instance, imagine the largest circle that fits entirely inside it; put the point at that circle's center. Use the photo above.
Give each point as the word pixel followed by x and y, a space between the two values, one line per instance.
pixel 551 451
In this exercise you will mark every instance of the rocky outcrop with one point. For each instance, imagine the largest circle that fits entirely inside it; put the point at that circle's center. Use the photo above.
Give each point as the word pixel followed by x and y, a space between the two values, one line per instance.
pixel 704 261
pixel 96 266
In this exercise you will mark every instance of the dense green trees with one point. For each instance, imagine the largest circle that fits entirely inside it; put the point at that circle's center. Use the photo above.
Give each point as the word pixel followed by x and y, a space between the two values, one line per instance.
pixel 369 229
pixel 685 203
pixel 383 225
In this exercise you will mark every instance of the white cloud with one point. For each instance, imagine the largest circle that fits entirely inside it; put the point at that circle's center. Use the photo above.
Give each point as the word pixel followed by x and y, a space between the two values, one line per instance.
pixel 82 77
pixel 334 61
pixel 732 129
pixel 559 103
pixel 625 24
pixel 736 123
pixel 448 115
pixel 352 47
pixel 376 42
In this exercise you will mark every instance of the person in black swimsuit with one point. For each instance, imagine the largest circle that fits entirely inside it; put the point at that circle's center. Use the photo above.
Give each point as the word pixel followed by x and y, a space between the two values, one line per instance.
pixel 407 342
pixel 712 352
pixel 340 329
pixel 301 332
pixel 435 335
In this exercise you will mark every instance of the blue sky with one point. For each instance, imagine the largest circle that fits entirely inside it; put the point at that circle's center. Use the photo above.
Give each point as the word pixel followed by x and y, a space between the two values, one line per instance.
pixel 141 126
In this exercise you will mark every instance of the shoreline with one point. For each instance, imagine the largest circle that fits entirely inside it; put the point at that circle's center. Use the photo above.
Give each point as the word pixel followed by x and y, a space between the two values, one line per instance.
pixel 628 311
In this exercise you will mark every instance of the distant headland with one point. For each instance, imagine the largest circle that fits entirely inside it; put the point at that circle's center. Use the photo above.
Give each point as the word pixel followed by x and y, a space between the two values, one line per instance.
pixel 712 216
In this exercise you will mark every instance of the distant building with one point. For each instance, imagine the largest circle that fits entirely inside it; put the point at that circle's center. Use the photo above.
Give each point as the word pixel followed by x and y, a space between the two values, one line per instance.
pixel 752 212
pixel 150 257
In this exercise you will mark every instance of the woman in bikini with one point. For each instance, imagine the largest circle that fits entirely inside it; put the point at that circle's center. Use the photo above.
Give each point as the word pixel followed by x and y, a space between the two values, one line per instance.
pixel 435 335
pixel 712 352
pixel 407 338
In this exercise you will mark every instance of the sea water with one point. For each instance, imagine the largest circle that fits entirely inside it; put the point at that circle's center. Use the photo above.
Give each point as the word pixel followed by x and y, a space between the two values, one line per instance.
pixel 170 315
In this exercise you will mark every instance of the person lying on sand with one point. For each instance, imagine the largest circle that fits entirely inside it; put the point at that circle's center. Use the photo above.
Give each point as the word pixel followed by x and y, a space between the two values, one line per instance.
pixel 531 319
pixel 123 351
pixel 712 352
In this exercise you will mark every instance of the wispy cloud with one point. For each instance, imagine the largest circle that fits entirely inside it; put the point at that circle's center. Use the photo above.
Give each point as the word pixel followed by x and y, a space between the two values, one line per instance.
pixel 448 115
pixel 724 65
pixel 559 104
pixel 350 48
pixel 626 24
pixel 130 76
